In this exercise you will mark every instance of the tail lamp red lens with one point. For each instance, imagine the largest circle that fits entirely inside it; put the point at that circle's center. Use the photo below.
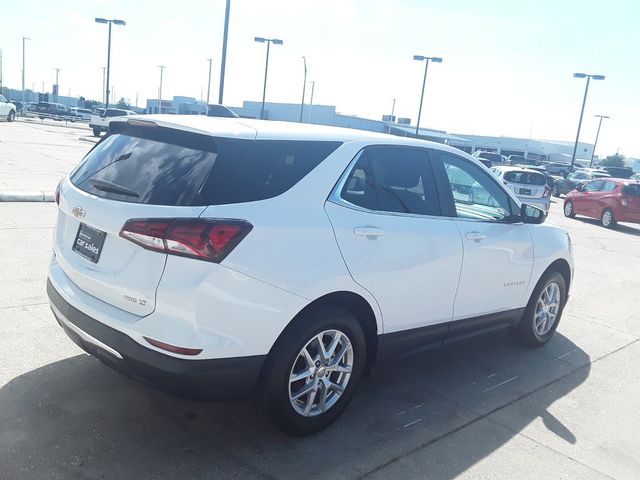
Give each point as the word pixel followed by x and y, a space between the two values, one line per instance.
pixel 172 348
pixel 204 239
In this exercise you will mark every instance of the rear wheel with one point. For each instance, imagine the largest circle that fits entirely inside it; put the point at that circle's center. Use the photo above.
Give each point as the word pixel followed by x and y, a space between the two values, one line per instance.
pixel 11 117
pixel 607 219
pixel 543 312
pixel 556 191
pixel 314 372
pixel 568 209
pixel 96 132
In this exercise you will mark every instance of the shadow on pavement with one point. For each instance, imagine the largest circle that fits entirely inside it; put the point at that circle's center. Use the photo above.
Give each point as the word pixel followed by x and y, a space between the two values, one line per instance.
pixel 624 228
pixel 78 419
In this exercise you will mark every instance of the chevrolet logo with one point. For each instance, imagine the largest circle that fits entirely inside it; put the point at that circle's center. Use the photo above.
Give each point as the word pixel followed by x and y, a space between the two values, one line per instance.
pixel 78 212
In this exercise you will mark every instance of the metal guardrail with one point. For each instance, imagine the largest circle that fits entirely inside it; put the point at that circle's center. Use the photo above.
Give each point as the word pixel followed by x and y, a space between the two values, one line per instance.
pixel 61 118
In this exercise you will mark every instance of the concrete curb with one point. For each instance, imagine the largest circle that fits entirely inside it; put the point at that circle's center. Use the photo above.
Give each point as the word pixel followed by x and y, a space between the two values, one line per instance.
pixel 26 196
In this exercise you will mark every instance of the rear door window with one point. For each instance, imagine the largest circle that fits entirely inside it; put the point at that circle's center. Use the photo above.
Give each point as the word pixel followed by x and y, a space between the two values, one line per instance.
pixel 393 179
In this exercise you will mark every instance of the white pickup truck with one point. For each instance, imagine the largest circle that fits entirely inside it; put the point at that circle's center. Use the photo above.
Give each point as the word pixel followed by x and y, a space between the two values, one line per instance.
pixel 100 123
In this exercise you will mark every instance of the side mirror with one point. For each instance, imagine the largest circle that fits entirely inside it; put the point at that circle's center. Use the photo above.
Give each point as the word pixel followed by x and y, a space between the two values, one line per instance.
pixel 531 214
pixel 580 187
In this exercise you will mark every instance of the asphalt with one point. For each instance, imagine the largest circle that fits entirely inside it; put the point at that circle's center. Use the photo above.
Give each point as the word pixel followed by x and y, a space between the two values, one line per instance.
pixel 484 408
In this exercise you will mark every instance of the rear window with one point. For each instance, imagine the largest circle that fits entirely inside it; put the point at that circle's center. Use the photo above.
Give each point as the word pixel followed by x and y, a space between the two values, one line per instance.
pixel 160 166
pixel 633 190
pixel 527 178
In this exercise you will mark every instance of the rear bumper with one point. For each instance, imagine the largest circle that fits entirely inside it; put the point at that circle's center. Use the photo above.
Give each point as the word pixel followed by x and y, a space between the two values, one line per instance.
pixel 218 379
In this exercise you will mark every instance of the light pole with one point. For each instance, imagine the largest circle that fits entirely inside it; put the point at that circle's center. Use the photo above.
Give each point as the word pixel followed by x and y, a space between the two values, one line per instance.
pixel 223 59
pixel 117 22
pixel 24 39
pixel 597 135
pixel 584 101
pixel 268 41
pixel 313 89
pixel 209 84
pixel 161 67
pixel 104 75
pixel 421 58
pixel 304 86
pixel 57 84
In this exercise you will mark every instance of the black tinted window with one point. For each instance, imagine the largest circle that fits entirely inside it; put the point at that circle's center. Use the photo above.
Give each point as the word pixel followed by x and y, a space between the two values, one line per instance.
pixel 167 167
pixel 161 166
pixel 633 189
pixel 528 178
pixel 250 170
pixel 392 179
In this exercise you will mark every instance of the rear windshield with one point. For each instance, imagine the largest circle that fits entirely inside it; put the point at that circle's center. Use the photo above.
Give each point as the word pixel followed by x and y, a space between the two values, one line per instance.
pixel 160 166
pixel 494 157
pixel 527 178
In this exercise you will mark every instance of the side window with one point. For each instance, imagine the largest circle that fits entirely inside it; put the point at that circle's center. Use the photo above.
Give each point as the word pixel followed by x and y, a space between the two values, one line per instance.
pixel 392 179
pixel 475 194
pixel 594 186
pixel 609 187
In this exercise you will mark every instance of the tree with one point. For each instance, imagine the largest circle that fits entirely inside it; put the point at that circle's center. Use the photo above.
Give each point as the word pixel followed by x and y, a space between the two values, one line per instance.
pixel 616 160
pixel 123 103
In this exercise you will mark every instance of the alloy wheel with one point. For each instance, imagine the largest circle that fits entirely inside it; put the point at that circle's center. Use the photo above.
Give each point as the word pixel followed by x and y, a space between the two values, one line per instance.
pixel 547 309
pixel 320 373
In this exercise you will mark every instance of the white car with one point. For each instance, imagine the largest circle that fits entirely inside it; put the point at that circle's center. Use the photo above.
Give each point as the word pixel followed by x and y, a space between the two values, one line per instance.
pixel 7 109
pixel 529 185
pixel 214 258
pixel 83 113
pixel 100 123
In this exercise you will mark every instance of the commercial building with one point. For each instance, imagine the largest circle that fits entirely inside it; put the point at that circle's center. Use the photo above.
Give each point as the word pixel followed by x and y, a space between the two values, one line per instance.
pixel 177 106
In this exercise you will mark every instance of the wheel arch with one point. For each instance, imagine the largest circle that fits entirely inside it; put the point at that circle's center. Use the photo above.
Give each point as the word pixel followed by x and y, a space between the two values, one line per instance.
pixel 563 268
pixel 350 301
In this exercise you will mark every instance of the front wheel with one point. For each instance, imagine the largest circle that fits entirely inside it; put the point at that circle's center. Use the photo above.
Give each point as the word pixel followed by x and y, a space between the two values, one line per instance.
pixel 11 117
pixel 96 132
pixel 314 372
pixel 607 220
pixel 556 191
pixel 542 314
pixel 568 209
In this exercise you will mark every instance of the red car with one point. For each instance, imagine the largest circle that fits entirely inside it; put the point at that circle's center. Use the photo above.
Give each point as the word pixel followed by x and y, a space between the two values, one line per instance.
pixel 609 199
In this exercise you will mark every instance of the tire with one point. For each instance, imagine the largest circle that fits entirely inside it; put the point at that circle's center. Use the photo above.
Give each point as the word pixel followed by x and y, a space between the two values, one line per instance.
pixel 607 220
pixel 12 116
pixel 96 132
pixel 304 415
pixel 568 209
pixel 556 191
pixel 536 327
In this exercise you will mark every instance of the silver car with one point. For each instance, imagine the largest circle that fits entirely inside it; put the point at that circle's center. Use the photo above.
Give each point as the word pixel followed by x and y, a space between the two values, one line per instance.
pixel 529 185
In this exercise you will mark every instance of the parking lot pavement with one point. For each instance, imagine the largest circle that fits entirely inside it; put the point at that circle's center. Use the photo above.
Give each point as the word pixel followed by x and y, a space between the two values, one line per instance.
pixel 35 155
pixel 484 408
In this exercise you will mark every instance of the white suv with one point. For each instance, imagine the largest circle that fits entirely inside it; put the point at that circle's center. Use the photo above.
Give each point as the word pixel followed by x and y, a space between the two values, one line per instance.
pixel 218 257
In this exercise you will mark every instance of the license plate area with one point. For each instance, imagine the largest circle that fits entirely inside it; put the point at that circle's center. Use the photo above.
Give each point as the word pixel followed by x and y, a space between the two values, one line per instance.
pixel 525 191
pixel 89 242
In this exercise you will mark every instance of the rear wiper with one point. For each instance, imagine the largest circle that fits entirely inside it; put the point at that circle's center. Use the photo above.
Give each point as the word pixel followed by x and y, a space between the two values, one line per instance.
pixel 112 187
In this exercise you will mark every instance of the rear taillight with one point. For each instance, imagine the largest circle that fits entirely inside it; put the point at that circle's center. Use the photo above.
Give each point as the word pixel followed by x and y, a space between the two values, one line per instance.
pixel 547 191
pixel 210 240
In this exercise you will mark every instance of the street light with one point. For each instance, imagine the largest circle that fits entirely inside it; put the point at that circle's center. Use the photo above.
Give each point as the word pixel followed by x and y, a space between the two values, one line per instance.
pixel 223 57
pixel 304 86
pixel 117 22
pixel 268 41
pixel 57 84
pixel 209 84
pixel 161 67
pixel 421 58
pixel 597 135
pixel 24 39
pixel 584 101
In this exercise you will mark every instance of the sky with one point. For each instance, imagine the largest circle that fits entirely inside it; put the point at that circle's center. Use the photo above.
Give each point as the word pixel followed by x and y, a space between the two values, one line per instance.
pixel 507 70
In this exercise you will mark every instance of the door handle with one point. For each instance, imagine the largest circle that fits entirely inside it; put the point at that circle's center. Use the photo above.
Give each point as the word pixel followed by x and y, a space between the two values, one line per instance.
pixel 368 232
pixel 475 236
